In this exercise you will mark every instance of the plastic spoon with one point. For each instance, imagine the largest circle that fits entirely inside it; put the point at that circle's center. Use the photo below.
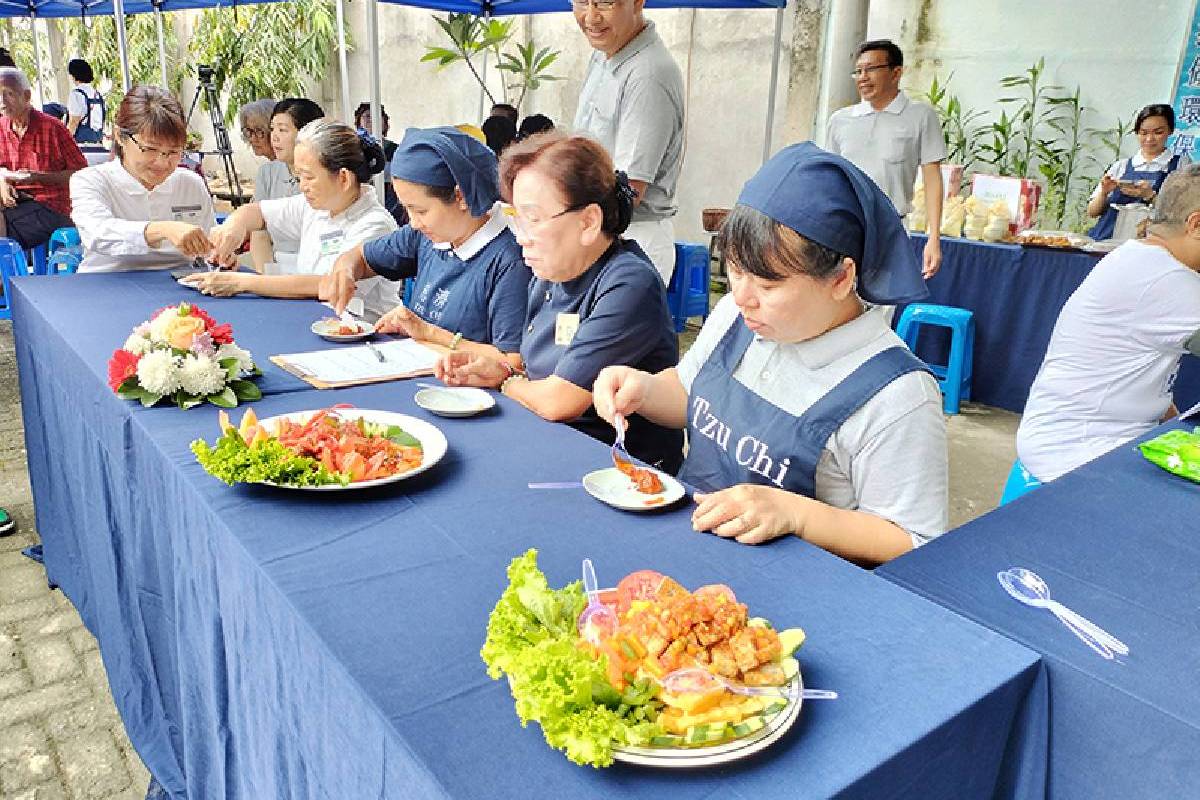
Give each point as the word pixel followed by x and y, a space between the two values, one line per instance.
pixel 597 621
pixel 619 453
pixel 697 679
pixel 1028 587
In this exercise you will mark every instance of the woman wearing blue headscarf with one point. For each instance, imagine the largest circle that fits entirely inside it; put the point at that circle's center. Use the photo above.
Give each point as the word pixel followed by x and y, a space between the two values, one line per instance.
pixel 470 281
pixel 830 429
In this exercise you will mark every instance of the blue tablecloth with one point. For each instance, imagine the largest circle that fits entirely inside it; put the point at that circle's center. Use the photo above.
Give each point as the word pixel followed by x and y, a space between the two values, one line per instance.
pixel 271 644
pixel 1116 541
pixel 1016 294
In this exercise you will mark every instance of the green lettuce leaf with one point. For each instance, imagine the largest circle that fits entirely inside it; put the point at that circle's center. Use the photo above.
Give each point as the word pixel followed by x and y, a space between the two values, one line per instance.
pixel 233 461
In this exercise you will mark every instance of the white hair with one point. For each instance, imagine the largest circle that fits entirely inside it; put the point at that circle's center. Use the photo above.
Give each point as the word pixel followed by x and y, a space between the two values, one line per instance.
pixel 1178 198
pixel 258 110
pixel 14 75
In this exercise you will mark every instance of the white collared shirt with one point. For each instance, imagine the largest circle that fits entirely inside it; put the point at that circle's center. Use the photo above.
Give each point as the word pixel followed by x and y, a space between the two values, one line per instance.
pixel 889 145
pixel 324 237
pixel 889 457
pixel 480 238
pixel 111 210
pixel 1160 163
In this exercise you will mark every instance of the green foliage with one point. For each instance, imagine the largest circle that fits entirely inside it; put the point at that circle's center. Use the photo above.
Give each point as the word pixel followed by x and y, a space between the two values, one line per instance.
pixel 1034 112
pixel 267 50
pixel 961 126
pixel 95 39
pixel 471 36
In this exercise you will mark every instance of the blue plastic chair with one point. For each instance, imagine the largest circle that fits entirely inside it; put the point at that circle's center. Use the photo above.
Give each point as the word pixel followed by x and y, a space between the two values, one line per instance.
pixel 63 262
pixel 12 265
pixel 954 377
pixel 1020 481
pixel 39 258
pixel 64 238
pixel 221 218
pixel 687 294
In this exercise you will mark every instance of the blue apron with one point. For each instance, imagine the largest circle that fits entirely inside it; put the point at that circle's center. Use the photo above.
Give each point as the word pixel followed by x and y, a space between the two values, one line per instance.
pixel 447 293
pixel 735 436
pixel 1103 229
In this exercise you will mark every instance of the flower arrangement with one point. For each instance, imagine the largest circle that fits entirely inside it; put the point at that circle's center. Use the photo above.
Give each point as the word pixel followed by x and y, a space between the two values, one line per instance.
pixel 182 354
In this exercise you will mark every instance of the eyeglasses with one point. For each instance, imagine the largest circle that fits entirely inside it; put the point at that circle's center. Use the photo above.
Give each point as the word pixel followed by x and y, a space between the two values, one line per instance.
pixel 522 226
pixel 254 133
pixel 599 5
pixel 860 71
pixel 154 152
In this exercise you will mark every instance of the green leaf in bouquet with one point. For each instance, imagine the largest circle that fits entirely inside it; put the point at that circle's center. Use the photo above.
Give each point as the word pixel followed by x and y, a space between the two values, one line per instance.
pixel 149 398
pixel 225 399
pixel 245 390
pixel 230 365
pixel 130 389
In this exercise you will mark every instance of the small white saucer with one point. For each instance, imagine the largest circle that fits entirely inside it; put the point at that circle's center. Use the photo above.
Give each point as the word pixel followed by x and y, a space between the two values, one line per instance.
pixel 454 401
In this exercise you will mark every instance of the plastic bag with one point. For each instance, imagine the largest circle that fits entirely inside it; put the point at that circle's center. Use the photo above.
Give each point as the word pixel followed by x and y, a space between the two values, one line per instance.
pixel 1176 451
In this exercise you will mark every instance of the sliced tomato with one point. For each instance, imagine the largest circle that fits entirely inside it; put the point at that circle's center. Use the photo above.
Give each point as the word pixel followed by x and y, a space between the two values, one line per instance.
pixel 609 597
pixel 640 585
pixel 716 590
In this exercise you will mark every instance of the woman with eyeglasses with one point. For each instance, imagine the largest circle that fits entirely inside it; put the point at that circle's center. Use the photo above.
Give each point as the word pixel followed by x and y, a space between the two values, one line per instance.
pixel 806 415
pixel 1138 178
pixel 336 210
pixel 254 120
pixel 469 280
pixel 140 210
pixel 596 300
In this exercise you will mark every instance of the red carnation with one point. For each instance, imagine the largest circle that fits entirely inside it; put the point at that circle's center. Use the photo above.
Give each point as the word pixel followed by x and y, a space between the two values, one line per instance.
pixel 209 322
pixel 221 334
pixel 121 367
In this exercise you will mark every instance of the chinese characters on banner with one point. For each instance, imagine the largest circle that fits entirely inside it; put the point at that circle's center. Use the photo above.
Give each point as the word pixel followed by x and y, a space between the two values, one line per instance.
pixel 1187 94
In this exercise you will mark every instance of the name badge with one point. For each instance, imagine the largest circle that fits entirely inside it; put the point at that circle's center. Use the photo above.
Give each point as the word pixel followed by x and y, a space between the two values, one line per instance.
pixel 185 212
pixel 331 243
pixel 565 326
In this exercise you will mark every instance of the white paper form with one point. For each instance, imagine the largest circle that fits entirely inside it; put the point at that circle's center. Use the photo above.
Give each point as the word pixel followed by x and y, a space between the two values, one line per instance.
pixel 359 364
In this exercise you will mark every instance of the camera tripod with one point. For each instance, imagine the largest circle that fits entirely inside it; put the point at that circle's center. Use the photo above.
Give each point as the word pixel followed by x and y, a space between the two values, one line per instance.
pixel 220 132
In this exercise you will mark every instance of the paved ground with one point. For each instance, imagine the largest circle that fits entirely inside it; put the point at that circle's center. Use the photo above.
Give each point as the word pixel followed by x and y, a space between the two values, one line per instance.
pixel 60 735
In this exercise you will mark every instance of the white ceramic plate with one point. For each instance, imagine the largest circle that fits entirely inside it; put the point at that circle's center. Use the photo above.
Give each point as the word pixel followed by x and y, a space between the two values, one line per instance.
pixel 433 443
pixel 676 757
pixel 616 488
pixel 325 329
pixel 454 401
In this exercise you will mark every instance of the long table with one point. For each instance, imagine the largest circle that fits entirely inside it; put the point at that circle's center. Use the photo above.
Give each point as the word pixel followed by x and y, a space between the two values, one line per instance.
pixel 1115 540
pixel 1016 294
pixel 263 643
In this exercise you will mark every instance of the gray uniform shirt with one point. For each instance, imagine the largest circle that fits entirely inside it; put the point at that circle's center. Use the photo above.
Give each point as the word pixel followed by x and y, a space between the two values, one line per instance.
pixel 888 145
pixel 633 103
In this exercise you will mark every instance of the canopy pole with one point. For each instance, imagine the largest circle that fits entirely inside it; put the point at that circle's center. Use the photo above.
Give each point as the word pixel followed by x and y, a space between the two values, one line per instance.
pixel 162 45
pixel 122 44
pixel 37 63
pixel 376 91
pixel 766 153
pixel 341 25
pixel 483 86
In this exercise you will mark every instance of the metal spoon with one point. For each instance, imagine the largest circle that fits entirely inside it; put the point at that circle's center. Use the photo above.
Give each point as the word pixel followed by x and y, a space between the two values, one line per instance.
pixel 597 621
pixel 1028 587
pixel 697 679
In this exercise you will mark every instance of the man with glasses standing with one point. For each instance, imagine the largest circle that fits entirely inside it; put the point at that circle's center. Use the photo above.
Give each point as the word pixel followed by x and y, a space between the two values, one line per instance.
pixel 37 157
pixel 632 102
pixel 888 135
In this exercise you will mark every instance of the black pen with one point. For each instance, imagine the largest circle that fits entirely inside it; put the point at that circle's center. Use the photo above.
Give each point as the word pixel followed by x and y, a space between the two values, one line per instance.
pixel 377 353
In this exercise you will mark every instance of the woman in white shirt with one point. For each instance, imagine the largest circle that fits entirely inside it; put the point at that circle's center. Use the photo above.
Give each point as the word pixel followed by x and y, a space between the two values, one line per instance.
pixel 139 210
pixel 335 211
pixel 806 415
pixel 278 178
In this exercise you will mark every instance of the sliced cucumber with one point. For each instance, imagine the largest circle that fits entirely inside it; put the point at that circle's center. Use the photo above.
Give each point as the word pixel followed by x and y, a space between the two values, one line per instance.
pixel 709 733
pixel 666 740
pixel 791 667
pixel 790 641
pixel 774 708
pixel 748 726
pixel 758 622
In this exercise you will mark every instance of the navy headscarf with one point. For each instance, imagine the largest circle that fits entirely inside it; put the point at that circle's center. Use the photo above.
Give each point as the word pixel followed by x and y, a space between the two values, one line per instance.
pixel 828 200
pixel 448 157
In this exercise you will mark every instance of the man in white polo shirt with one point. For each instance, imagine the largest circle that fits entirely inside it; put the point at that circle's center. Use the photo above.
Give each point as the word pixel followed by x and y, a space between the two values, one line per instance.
pixel 1111 364
pixel 632 102
pixel 888 136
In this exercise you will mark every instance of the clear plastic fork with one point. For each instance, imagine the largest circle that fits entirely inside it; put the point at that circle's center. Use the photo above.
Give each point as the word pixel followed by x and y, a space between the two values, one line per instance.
pixel 620 455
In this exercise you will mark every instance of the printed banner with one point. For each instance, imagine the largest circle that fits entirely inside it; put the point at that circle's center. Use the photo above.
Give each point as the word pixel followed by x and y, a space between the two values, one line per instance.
pixel 1187 94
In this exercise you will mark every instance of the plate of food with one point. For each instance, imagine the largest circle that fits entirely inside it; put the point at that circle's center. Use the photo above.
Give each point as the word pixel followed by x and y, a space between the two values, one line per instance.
pixel 633 489
pixel 660 630
pixel 454 401
pixel 325 450
pixel 340 330
pixel 1055 240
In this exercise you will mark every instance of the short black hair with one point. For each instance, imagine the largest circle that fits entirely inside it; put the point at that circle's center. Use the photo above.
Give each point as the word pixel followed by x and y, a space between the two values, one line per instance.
pixel 300 109
pixel 6 59
pixel 365 109
pixel 534 123
pixel 764 248
pixel 500 132
pixel 80 70
pixel 505 110
pixel 1155 110
pixel 895 55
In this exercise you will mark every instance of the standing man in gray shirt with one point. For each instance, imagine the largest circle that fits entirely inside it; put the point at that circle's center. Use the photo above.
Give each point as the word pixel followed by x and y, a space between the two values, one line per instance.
pixel 632 102
pixel 888 136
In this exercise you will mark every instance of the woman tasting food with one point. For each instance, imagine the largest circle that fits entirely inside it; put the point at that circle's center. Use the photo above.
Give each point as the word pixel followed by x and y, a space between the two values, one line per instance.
pixel 596 299
pixel 139 210
pixel 1136 179
pixel 469 278
pixel 806 415
pixel 335 210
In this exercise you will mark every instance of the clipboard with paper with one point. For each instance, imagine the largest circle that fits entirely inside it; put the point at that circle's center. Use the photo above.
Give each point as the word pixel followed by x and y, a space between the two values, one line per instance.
pixel 339 367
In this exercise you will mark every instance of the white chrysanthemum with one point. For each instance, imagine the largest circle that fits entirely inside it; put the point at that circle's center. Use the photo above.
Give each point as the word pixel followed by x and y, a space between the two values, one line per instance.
pixel 158 325
pixel 201 375
pixel 158 372
pixel 245 361
pixel 137 344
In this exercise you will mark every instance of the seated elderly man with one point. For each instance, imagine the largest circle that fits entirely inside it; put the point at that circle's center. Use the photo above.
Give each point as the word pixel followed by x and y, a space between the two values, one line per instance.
pixel 1115 351
pixel 37 157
